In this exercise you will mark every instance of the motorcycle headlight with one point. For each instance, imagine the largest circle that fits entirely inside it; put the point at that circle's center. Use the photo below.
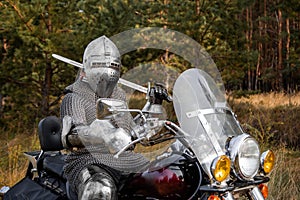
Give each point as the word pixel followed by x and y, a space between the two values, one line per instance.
pixel 267 161
pixel 245 154
pixel 220 168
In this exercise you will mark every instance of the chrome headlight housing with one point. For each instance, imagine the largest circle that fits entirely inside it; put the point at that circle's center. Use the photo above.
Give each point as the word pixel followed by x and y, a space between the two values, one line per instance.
pixel 245 156
pixel 220 168
pixel 267 160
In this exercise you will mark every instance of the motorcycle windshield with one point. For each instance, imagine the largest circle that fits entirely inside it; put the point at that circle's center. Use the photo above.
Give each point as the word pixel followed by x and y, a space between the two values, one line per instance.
pixel 204 115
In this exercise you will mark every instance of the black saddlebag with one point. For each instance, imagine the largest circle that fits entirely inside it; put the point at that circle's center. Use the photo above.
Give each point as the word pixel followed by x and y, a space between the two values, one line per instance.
pixel 27 189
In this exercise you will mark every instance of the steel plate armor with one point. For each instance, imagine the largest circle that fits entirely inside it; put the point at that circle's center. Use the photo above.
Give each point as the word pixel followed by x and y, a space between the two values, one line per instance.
pixel 101 63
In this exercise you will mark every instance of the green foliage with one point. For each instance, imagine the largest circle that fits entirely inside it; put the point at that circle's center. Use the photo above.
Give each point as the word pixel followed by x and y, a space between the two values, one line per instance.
pixel 31 81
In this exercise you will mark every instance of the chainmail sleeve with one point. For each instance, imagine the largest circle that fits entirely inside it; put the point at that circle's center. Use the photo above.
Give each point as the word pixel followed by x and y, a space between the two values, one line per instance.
pixel 73 106
pixel 79 103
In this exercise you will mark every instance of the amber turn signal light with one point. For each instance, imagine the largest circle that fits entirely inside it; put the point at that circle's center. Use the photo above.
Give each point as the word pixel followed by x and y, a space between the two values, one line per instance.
pixel 267 161
pixel 264 190
pixel 221 168
pixel 213 197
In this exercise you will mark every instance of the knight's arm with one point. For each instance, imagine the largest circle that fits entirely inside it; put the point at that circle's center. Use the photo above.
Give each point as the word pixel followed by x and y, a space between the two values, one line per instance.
pixel 77 133
pixel 99 132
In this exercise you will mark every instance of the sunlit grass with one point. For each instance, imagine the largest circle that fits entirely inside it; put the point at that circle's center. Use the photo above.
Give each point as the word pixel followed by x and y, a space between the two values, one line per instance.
pixel 271 100
pixel 273 119
pixel 13 164
pixel 284 182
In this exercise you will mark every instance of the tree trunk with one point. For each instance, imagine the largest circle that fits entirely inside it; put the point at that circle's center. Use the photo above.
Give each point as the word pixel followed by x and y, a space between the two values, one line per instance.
pixel 249 34
pixel 261 54
pixel 47 82
pixel 279 68
pixel 46 86
pixel 1 106
pixel 198 7
pixel 288 39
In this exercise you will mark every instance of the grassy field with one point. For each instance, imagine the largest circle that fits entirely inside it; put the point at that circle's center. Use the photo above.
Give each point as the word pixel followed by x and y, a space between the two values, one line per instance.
pixel 271 100
pixel 273 119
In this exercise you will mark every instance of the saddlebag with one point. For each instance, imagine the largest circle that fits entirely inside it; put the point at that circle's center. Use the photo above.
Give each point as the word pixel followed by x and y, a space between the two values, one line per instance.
pixel 28 189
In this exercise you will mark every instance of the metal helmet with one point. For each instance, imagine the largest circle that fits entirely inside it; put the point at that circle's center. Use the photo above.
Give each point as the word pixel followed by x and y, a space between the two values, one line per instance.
pixel 101 64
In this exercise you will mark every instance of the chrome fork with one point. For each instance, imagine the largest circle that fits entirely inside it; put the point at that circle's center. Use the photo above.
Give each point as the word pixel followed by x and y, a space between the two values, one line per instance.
pixel 256 194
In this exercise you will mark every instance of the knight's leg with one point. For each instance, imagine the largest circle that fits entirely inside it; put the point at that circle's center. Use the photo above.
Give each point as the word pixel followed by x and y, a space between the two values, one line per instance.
pixel 96 183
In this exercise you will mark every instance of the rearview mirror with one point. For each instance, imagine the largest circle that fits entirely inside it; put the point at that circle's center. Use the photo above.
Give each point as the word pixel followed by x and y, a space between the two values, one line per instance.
pixel 106 107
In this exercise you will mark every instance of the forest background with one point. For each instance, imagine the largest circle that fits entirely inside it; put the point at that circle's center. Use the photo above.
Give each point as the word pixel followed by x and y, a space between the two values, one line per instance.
pixel 255 44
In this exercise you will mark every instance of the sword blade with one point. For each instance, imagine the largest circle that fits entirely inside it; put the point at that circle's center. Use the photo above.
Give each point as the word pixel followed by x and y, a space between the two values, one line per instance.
pixel 121 81
pixel 133 85
pixel 67 60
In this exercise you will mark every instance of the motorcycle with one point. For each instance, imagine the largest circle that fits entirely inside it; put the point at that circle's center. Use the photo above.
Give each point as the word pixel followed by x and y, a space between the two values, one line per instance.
pixel 204 155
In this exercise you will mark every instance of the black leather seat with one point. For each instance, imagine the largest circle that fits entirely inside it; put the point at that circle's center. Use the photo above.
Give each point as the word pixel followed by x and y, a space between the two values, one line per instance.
pixel 49 130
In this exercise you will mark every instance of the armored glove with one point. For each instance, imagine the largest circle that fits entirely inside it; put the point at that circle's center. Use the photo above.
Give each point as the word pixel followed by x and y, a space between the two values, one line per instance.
pixel 158 93
pixel 99 132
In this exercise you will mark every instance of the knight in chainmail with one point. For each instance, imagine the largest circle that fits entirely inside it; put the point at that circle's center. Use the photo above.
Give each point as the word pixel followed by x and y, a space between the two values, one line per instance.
pixel 91 168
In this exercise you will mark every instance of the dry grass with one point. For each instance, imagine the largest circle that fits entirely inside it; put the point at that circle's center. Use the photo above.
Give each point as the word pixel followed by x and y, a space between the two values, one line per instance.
pixel 13 164
pixel 272 100
pixel 274 120
pixel 284 183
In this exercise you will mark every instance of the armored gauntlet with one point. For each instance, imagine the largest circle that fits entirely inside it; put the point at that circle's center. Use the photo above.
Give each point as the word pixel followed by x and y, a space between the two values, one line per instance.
pixel 99 132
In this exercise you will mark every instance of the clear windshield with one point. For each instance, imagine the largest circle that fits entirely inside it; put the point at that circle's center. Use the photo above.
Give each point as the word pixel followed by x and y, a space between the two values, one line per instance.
pixel 199 103
pixel 204 115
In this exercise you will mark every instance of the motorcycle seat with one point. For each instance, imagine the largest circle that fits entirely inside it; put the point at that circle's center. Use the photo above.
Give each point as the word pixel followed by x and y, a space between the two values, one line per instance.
pixel 49 130
pixel 55 164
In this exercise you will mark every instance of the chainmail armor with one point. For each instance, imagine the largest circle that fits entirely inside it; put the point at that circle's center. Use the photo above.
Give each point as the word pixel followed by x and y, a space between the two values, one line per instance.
pixel 127 162
pixel 80 103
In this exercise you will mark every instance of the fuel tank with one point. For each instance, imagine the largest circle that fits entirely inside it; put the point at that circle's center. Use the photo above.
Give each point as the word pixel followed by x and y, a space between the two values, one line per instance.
pixel 177 180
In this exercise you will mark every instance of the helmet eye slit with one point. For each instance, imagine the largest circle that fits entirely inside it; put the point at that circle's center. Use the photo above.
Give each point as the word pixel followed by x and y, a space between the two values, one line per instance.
pixel 112 65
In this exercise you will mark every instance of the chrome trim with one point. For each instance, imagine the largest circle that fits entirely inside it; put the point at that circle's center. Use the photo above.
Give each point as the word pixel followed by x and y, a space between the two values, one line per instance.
pixel 33 160
pixel 228 196
pixel 237 190
pixel 214 164
pixel 208 111
pixel 256 194
pixel 233 149
pixel 200 114
pixel 262 160
pixel 213 139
